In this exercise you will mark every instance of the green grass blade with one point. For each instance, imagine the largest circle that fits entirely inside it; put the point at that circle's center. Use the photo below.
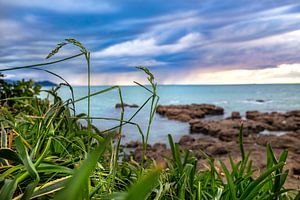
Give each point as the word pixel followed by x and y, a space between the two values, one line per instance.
pixel 23 154
pixel 144 186
pixel 241 142
pixel 254 184
pixel 280 176
pixel 297 197
pixel 271 159
pixel 29 190
pixel 51 168
pixel 41 64
pixel 229 181
pixel 79 180
pixel 8 189
pixel 50 187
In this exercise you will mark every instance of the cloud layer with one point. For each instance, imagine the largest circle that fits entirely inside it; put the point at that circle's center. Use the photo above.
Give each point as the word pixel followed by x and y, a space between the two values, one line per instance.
pixel 182 42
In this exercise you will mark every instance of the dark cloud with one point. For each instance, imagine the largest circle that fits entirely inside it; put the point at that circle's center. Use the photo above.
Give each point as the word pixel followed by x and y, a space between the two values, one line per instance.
pixel 182 35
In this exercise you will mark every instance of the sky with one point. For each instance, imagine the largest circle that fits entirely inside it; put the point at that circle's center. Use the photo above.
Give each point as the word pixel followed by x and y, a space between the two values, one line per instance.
pixel 181 42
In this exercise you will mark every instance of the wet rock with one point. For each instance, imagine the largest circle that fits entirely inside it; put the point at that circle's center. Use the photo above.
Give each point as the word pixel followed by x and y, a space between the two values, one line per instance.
pixel 119 105
pixel 185 113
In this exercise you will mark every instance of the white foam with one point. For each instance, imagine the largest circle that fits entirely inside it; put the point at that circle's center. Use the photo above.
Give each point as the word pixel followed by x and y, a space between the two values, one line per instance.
pixel 276 133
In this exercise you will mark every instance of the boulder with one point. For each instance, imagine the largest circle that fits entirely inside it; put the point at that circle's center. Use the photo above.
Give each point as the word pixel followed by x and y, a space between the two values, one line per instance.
pixel 186 113
pixel 235 115
pixel 226 129
pixel 276 121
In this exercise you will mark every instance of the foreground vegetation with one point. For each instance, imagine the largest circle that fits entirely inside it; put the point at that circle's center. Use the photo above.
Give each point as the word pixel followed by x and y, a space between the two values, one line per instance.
pixel 47 152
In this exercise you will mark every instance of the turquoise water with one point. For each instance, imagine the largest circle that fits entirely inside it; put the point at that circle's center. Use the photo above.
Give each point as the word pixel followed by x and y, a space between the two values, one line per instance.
pixel 231 97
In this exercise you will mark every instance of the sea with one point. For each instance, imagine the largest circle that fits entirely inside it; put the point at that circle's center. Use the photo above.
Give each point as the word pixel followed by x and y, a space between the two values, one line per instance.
pixel 240 98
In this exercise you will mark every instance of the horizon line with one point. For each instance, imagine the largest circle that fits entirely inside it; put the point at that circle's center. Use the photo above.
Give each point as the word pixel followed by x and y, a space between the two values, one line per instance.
pixel 200 84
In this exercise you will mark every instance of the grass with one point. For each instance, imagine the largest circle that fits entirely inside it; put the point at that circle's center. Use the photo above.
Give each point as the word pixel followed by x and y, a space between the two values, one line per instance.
pixel 46 153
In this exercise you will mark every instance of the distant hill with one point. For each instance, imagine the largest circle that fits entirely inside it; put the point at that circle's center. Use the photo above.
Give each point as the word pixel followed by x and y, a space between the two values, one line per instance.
pixel 42 83
pixel 46 83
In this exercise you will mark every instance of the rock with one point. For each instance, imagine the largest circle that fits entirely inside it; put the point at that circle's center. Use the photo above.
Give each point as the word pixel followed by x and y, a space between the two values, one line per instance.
pixel 296 170
pixel 204 127
pixel 217 149
pixel 157 152
pixel 235 115
pixel 209 109
pixel 256 122
pixel 226 129
pixel 288 141
pixel 276 121
pixel 220 150
pixel 295 113
pixel 133 144
pixel 179 116
pixel 119 105
pixel 260 101
pixel 228 135
pixel 186 139
pixel 159 147
pixel 252 114
pixel 186 113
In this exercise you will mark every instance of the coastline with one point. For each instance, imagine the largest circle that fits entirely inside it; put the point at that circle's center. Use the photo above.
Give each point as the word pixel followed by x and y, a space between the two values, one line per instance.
pixel 219 137
pixel 279 98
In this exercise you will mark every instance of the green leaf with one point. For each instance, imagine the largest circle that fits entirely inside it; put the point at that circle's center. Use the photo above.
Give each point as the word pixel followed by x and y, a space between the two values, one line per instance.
pixel 241 143
pixel 29 190
pixel 50 187
pixel 297 197
pixel 280 177
pixel 10 155
pixel 23 154
pixel 52 168
pixel 74 188
pixel 252 186
pixel 271 159
pixel 144 186
pixel 8 189
pixel 229 181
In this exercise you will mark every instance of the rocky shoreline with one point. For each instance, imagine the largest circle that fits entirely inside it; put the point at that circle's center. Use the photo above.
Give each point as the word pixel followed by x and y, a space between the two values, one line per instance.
pixel 219 137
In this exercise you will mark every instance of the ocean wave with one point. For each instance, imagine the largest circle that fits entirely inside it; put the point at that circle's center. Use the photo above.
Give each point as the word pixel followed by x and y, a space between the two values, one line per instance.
pixel 220 102
pixel 276 133
pixel 174 102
